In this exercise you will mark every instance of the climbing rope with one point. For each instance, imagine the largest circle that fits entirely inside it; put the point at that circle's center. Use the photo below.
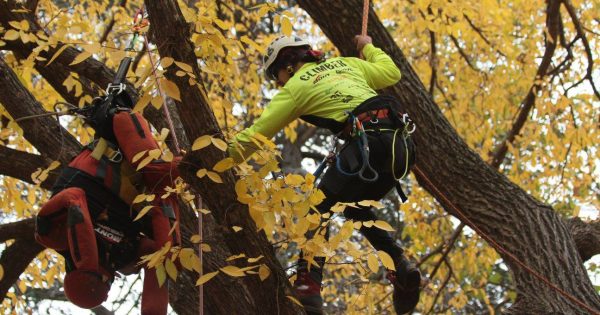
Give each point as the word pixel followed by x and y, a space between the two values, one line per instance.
pixel 464 218
pixel 365 17
pixel 139 22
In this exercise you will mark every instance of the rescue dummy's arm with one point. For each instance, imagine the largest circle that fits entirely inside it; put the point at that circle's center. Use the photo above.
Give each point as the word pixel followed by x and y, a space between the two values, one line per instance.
pixel 379 69
pixel 278 114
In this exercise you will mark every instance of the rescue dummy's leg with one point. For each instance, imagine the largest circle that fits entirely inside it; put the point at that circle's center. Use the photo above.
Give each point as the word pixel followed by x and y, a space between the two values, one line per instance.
pixel 64 223
pixel 155 298
pixel 134 136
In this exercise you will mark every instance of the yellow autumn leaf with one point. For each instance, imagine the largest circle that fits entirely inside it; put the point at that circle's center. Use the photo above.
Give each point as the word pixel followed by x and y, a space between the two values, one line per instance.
pixel 263 272
pixel 138 156
pixel 221 24
pixel 15 24
pixel 286 26
pixel 24 25
pixel 143 212
pixel 201 173
pixel 171 269
pixel 214 177
pixel 371 203
pixel 139 198
pixel 383 225
pixel 373 263
pixel 144 162
pixel 184 66
pixel 293 299
pixel 53 165
pixel 22 286
pixel 220 144
pixel 156 101
pixel 57 53
pixel 171 89
pixel 195 239
pixel 386 260
pixel 205 277
pixel 1 272
pixel 142 103
pixel 186 257
pixel 224 165
pixel 165 62
pixel 294 180
pixel 234 257
pixel 201 142
pixel 205 248
pixel 255 259
pixel 233 271
pixel 11 35
pixel 161 274
pixel 168 156
pixel 81 57
pixel 236 228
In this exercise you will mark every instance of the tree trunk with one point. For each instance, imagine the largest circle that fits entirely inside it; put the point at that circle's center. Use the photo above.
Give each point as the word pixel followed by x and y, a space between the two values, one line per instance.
pixel 524 227
pixel 172 36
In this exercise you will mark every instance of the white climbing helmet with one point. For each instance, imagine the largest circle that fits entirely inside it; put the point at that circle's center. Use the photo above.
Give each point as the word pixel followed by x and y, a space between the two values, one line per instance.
pixel 277 45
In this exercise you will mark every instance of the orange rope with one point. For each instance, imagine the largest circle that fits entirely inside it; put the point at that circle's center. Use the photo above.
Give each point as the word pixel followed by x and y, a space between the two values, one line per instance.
pixel 165 108
pixel 201 289
pixel 365 19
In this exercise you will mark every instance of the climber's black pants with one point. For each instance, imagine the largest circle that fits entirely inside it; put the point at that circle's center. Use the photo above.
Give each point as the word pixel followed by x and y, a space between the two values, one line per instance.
pixel 338 187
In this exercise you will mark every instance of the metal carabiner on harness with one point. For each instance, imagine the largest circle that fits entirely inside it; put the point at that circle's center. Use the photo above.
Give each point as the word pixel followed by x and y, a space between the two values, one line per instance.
pixel 358 132
pixel 408 122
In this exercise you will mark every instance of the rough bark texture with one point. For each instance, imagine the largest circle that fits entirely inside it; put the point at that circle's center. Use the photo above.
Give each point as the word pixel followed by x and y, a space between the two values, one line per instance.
pixel 15 259
pixel 586 236
pixel 525 227
pixel 21 165
pixel 197 118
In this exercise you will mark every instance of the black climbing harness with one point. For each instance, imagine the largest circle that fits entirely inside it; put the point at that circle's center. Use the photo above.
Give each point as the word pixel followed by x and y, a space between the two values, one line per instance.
pixel 355 131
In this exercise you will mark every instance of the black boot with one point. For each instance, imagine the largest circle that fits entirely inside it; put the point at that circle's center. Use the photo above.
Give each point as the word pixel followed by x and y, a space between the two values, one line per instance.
pixel 406 281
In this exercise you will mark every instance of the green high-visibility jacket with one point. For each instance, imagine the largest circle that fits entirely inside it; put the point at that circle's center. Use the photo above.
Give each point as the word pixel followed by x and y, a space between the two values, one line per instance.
pixel 327 90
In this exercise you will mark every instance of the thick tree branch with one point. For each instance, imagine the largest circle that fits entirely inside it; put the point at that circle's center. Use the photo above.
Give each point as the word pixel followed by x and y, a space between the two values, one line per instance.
pixel 17 230
pixel 198 119
pixel 15 259
pixel 587 237
pixel 21 165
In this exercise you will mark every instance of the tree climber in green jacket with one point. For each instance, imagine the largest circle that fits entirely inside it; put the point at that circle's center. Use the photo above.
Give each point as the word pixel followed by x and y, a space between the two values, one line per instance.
pixel 339 94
